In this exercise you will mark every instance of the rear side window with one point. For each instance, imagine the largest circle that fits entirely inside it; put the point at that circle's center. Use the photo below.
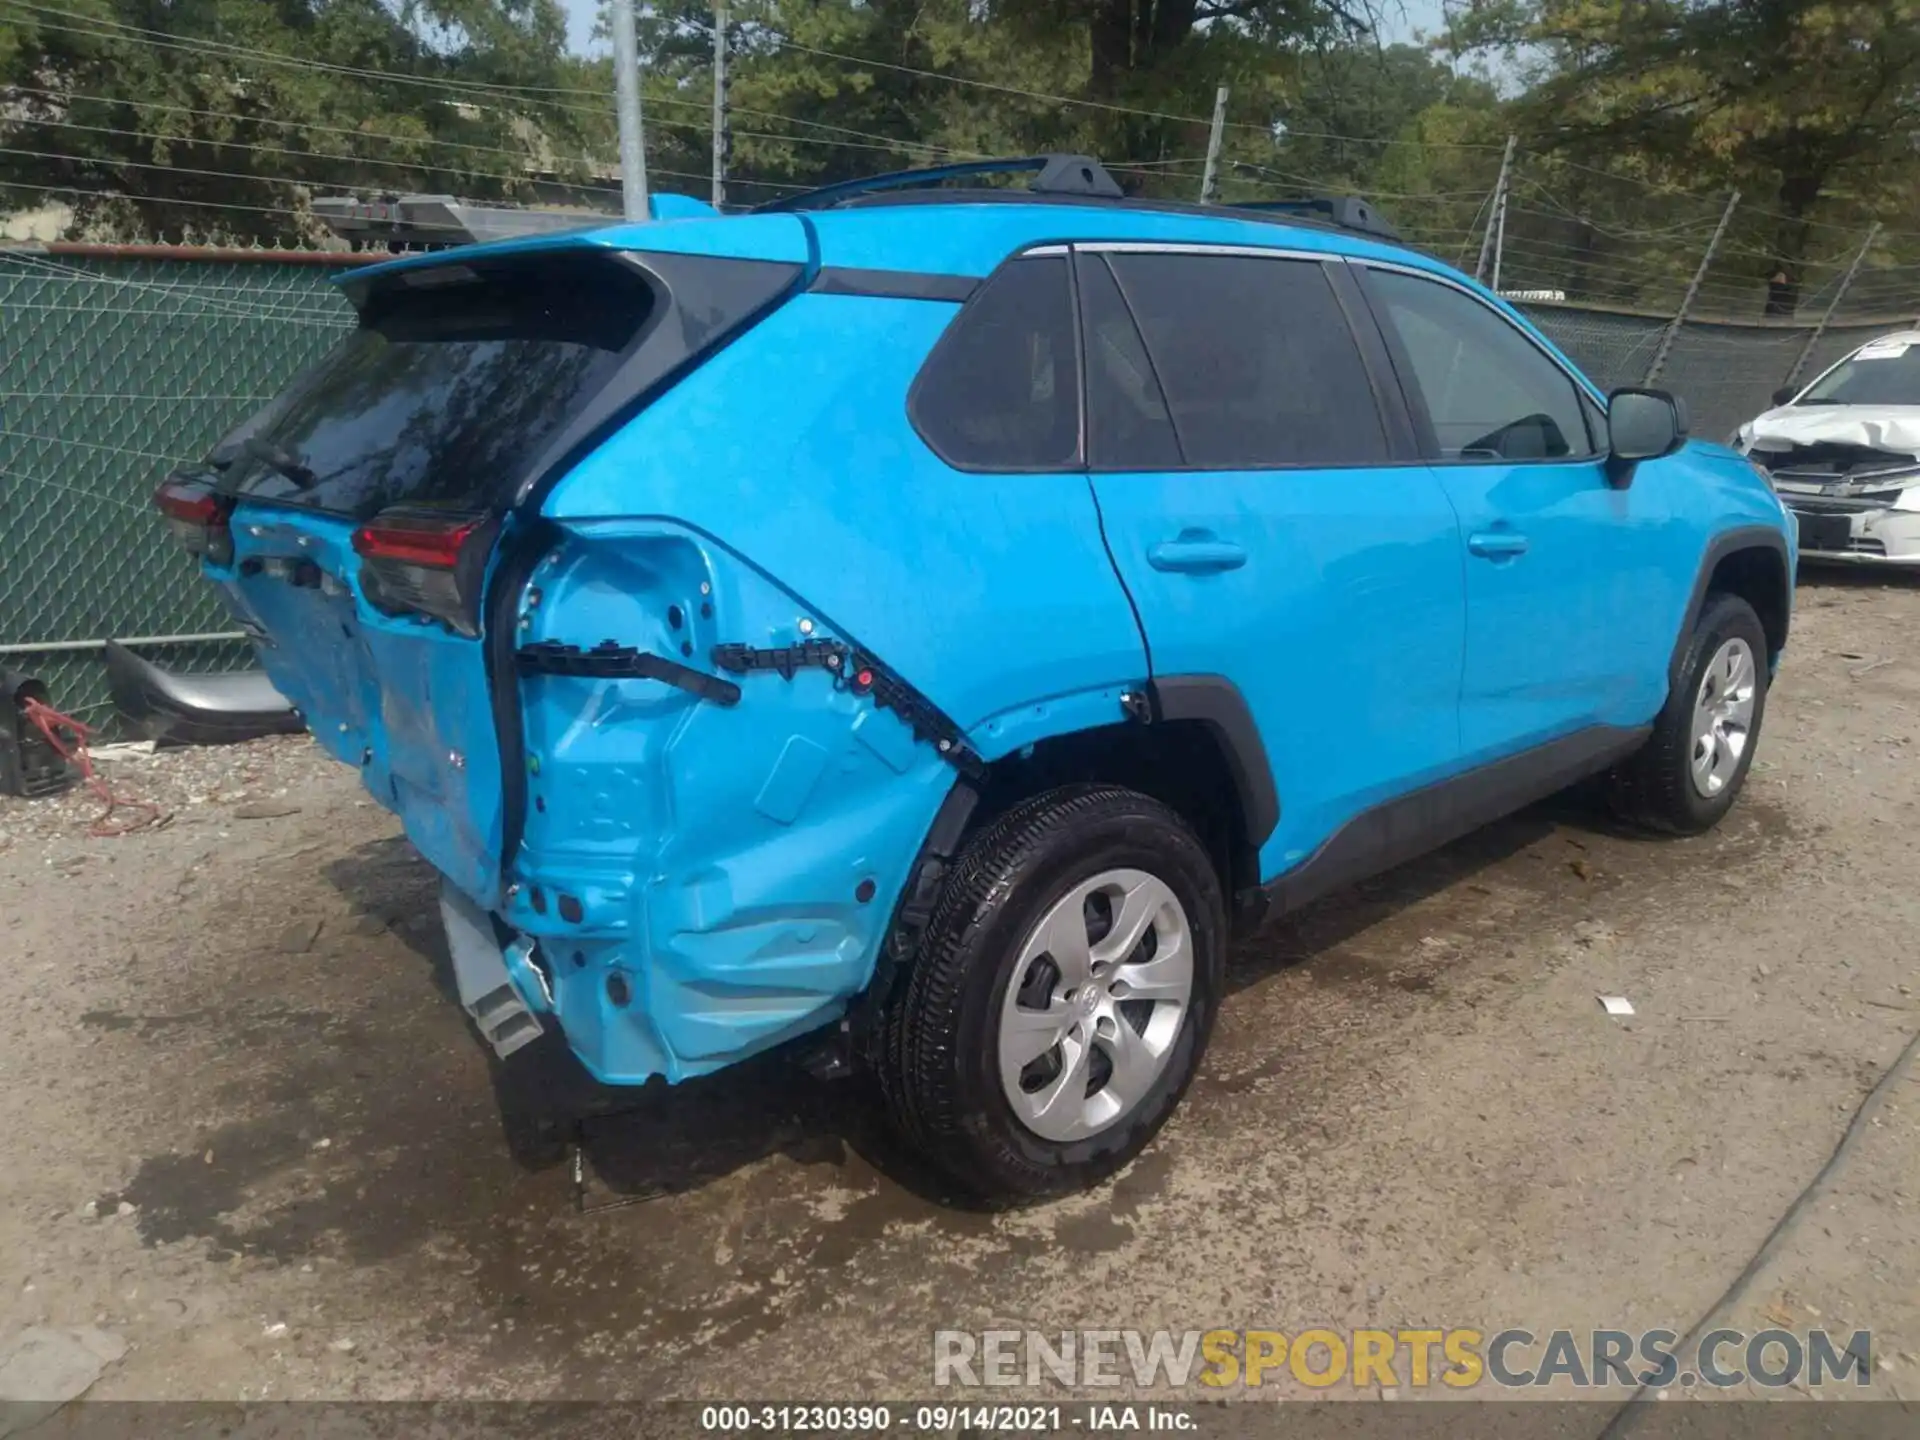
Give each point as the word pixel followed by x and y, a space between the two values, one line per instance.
pixel 1256 359
pixel 1001 390
pixel 463 378
pixel 1491 393
pixel 1128 427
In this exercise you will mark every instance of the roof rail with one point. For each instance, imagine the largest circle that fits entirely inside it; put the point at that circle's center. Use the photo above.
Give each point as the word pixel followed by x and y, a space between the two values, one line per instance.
pixel 1348 212
pixel 1079 175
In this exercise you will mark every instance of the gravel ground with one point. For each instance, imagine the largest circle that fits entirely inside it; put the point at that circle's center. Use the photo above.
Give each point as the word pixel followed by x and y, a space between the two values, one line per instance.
pixel 247 1133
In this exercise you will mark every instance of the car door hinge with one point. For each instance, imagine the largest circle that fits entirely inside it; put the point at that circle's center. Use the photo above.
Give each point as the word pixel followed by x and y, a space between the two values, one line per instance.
pixel 859 673
pixel 612 661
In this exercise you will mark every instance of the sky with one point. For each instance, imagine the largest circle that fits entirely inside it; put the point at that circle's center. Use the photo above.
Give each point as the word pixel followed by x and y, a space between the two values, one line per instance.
pixel 1418 15
pixel 580 16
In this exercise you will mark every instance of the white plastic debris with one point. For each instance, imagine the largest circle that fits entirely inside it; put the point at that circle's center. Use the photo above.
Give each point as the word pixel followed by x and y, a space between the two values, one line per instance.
pixel 276 1329
pixel 1616 1004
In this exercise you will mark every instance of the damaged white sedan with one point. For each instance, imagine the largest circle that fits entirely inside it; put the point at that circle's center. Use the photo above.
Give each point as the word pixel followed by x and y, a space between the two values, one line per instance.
pixel 1844 454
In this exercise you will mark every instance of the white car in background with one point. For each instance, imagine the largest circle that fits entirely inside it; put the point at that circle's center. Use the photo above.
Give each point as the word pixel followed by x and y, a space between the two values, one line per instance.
pixel 1844 454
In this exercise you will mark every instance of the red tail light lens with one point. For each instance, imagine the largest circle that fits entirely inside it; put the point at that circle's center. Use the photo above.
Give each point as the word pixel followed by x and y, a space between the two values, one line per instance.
pixel 197 514
pixel 426 562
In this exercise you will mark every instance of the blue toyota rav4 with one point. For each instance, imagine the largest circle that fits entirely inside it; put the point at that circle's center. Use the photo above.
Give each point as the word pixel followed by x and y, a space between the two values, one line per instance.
pixel 935 618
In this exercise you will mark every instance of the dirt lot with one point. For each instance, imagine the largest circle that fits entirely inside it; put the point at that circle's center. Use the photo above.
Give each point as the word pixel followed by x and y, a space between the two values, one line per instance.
pixel 240 1032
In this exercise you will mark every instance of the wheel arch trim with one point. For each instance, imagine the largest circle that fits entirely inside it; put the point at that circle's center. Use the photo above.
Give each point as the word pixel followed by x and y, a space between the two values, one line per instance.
pixel 1719 547
pixel 1216 703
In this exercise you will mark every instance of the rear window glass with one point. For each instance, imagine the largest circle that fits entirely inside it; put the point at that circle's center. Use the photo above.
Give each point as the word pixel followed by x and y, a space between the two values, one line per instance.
pixel 454 384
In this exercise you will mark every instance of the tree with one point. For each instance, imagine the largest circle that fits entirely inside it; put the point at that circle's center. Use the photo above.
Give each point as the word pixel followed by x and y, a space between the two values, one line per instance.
pixel 1804 105
pixel 827 89
pixel 214 117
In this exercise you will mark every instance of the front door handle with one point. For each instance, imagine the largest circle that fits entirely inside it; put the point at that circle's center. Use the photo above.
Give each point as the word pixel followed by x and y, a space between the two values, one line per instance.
pixel 1196 554
pixel 1497 544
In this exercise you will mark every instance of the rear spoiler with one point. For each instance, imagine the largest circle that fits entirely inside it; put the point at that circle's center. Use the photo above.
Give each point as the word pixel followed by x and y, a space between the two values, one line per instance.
pixel 440 222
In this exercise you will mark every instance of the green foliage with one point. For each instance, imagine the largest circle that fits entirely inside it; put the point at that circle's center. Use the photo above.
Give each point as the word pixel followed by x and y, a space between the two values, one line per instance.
pixel 203 117
pixel 1635 118
pixel 1810 108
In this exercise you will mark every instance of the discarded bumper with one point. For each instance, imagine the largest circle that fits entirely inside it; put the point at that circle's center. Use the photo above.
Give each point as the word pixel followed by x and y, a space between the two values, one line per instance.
pixel 216 709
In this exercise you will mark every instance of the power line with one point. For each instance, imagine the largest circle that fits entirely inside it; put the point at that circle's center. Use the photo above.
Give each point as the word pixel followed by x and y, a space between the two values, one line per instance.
pixel 103 26
pixel 194 141
pixel 520 175
pixel 1041 95
pixel 263 120
pixel 881 142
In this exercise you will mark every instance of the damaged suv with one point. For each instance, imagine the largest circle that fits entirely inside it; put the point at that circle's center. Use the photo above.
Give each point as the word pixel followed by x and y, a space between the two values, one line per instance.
pixel 1844 453
pixel 931 620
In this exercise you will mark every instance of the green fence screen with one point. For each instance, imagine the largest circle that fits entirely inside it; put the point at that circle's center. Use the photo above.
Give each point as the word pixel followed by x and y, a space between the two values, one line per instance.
pixel 112 370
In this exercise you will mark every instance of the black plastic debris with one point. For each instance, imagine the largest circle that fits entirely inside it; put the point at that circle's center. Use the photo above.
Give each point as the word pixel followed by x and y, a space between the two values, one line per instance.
pixel 29 765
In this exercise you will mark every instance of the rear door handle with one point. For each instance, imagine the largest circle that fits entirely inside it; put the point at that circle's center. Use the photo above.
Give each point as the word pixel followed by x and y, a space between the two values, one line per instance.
pixel 1497 544
pixel 1196 555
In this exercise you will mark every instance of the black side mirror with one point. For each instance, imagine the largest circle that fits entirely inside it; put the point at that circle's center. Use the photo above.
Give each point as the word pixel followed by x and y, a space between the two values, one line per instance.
pixel 1784 395
pixel 1641 425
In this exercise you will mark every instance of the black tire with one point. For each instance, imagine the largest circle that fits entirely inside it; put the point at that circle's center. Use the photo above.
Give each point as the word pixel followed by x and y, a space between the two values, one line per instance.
pixel 1654 787
pixel 939 1067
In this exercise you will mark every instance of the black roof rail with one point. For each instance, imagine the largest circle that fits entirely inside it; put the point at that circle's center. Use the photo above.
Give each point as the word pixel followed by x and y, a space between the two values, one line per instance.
pixel 1348 212
pixel 1083 178
pixel 1077 175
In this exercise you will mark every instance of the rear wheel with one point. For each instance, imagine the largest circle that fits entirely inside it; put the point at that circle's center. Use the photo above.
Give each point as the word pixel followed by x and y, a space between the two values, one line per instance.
pixel 1691 769
pixel 1062 995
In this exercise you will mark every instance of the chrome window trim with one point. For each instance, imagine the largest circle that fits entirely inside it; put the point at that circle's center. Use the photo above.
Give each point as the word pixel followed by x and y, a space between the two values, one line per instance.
pixel 1185 247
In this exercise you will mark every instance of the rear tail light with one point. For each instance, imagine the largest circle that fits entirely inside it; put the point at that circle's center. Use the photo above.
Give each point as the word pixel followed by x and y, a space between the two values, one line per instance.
pixel 426 562
pixel 197 514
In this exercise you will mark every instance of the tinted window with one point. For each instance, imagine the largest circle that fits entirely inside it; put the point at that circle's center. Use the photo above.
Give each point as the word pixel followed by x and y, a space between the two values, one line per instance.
pixel 1128 427
pixel 1597 435
pixel 1489 391
pixel 1257 361
pixel 450 389
pixel 1002 388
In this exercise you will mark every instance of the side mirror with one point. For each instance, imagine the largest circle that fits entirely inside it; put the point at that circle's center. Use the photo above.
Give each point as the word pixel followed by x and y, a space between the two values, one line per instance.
pixel 1641 425
pixel 1784 395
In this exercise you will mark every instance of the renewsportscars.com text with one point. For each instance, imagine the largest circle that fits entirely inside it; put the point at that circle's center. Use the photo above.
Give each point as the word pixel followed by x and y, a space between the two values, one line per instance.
pixel 1455 1358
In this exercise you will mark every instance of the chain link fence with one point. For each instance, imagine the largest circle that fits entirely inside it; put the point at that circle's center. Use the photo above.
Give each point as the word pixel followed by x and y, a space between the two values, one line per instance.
pixel 114 369
pixel 1726 371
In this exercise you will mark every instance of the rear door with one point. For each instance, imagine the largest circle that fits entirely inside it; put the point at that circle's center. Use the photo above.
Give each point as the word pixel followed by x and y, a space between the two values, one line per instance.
pixel 1559 563
pixel 1271 521
pixel 380 533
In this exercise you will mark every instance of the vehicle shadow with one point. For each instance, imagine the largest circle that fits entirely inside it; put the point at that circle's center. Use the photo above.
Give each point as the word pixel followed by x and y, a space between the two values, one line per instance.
pixel 646 1142
pixel 635 1142
pixel 1333 920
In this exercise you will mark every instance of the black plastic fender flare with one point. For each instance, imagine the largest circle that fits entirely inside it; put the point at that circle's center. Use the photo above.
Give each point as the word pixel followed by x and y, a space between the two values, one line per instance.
pixel 1216 702
pixel 1727 542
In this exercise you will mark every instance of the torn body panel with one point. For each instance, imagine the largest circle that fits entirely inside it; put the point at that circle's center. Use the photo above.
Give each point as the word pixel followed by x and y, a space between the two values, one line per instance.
pixel 701 880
